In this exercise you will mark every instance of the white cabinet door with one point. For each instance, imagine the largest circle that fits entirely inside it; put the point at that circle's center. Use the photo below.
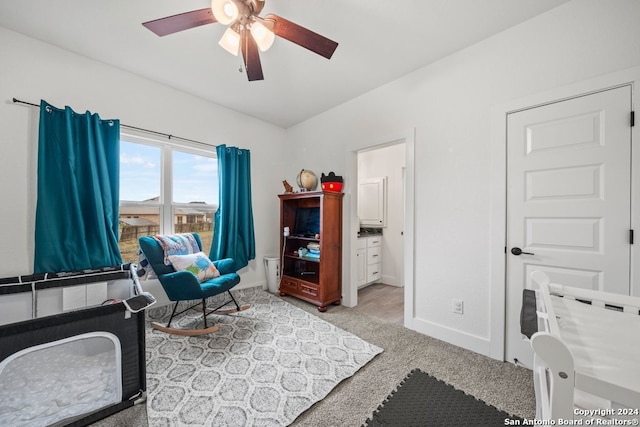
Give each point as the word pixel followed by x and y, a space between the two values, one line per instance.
pixel 373 273
pixel 373 255
pixel 361 262
pixel 369 260
pixel 372 201
pixel 374 259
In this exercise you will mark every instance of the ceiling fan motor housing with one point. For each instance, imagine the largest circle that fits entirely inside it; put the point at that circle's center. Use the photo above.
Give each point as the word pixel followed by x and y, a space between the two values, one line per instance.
pixel 255 6
pixel 247 9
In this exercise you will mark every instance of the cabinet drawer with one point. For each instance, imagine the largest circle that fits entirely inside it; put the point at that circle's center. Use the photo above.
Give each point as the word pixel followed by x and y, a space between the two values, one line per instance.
pixel 374 272
pixel 373 255
pixel 308 289
pixel 373 242
pixel 288 284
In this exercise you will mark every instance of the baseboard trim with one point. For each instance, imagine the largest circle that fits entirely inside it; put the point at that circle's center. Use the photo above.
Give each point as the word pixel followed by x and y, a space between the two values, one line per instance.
pixel 390 280
pixel 243 285
pixel 461 339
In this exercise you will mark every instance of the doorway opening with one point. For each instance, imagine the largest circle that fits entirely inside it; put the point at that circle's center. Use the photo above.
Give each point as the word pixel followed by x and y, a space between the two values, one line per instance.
pixel 382 244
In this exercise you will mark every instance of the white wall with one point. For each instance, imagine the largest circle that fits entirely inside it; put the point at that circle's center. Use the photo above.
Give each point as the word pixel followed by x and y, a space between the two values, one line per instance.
pixel 449 104
pixel 32 70
pixel 388 161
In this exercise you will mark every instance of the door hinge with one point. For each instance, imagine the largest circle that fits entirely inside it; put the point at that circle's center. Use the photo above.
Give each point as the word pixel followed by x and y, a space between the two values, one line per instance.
pixel 631 237
pixel 632 119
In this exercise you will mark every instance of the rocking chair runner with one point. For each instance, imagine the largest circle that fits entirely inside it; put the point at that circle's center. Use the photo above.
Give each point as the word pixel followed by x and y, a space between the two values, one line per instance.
pixel 184 286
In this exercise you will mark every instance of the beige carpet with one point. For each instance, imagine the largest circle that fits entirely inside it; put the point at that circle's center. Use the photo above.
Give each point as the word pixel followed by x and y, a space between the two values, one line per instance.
pixel 503 385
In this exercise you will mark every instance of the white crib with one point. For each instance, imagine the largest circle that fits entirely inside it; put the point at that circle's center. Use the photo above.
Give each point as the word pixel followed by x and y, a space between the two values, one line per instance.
pixel 586 355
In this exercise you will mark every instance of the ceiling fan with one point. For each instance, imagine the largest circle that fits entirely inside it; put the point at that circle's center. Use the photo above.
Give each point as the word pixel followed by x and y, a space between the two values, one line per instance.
pixel 246 31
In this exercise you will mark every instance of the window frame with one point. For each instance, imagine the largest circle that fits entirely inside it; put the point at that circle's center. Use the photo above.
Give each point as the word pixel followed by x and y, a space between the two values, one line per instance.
pixel 167 208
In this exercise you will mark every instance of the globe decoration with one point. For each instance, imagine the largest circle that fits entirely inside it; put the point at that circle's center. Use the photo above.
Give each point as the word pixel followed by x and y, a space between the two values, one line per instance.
pixel 307 180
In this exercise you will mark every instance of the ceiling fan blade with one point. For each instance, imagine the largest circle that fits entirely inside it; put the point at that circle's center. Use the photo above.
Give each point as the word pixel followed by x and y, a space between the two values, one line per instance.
pixel 302 36
pixel 251 56
pixel 181 22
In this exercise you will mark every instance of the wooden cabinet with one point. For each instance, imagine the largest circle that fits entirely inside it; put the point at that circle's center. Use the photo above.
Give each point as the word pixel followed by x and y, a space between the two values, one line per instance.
pixel 314 220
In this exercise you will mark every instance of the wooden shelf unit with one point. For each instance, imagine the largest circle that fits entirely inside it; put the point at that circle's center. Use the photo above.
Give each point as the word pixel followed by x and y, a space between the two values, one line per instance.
pixel 317 281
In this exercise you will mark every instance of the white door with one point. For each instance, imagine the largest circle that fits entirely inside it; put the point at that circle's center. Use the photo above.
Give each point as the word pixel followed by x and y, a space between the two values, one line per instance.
pixel 568 200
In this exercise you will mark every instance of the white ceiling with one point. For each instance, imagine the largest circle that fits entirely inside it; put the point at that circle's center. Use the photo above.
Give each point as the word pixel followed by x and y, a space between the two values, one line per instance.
pixel 379 41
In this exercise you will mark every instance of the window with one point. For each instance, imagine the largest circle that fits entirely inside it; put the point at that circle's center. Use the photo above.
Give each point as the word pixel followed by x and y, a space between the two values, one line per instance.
pixel 165 188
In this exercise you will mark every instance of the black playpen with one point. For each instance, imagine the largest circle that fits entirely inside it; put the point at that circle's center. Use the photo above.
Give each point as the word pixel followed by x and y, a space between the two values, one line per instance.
pixel 75 367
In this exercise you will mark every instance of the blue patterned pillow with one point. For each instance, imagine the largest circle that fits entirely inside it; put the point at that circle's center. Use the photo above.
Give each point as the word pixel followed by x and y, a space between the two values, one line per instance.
pixel 199 264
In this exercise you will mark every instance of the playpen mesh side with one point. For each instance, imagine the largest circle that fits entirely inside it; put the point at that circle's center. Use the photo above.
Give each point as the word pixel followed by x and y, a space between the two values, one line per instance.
pixel 60 380
pixel 109 320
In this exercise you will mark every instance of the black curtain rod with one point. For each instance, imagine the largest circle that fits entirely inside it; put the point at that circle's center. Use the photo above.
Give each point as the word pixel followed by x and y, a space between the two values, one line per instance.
pixel 167 135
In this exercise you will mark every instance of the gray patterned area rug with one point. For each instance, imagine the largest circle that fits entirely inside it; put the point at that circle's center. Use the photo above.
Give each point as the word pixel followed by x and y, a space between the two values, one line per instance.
pixel 264 367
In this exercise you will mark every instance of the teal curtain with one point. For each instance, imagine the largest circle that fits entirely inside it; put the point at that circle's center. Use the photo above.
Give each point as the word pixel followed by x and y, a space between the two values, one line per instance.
pixel 233 234
pixel 78 191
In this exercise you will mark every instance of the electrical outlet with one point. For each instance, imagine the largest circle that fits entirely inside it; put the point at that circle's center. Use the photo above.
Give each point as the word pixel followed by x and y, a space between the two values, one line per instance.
pixel 458 306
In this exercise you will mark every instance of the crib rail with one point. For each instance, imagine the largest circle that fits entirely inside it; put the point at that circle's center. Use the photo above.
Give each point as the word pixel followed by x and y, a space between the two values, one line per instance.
pixel 606 300
pixel 588 341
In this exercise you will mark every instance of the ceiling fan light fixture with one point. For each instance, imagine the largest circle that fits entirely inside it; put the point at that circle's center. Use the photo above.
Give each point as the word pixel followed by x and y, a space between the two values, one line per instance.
pixel 225 11
pixel 230 41
pixel 242 17
pixel 263 36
